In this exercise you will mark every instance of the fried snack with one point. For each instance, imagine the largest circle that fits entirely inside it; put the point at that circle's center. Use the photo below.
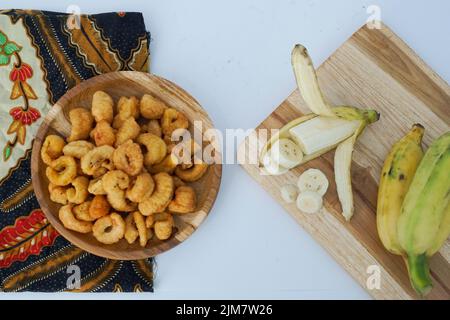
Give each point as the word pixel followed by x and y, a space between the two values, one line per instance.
pixel 172 120
pixel 101 171
pixel 96 187
pixel 149 221
pixel 81 211
pixel 192 174
pixel 79 192
pixel 161 196
pixel 185 200
pixel 103 134
pixel 177 182
pixel 163 226
pixel 109 229
pixel 127 107
pixel 131 232
pixel 102 107
pixel 168 165
pixel 139 221
pixel 151 107
pixel 141 188
pixel 70 222
pixel 128 158
pixel 79 171
pixel 185 151
pixel 62 171
pixel 82 121
pixel 52 148
pixel 57 194
pixel 115 183
pixel 77 149
pixel 99 207
pixel 154 127
pixel 156 148
pixel 129 130
pixel 96 159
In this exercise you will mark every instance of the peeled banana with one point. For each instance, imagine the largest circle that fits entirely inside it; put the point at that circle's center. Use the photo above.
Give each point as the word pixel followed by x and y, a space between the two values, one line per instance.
pixel 327 128
pixel 396 177
pixel 321 132
pixel 423 225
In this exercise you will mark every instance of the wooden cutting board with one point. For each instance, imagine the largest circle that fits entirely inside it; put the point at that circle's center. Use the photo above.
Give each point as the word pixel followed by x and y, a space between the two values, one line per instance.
pixel 373 69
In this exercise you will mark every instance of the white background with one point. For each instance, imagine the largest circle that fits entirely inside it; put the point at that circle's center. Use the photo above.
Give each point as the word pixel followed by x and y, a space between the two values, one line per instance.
pixel 234 57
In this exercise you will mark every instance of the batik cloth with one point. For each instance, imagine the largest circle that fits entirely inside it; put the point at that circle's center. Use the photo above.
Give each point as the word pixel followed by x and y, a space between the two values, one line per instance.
pixel 42 55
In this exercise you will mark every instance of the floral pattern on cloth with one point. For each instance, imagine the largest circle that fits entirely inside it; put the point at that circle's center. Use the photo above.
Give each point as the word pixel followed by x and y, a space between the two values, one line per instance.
pixel 43 55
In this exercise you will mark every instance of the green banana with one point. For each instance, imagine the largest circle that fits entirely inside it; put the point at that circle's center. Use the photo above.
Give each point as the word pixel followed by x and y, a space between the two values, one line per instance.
pixel 423 222
pixel 396 177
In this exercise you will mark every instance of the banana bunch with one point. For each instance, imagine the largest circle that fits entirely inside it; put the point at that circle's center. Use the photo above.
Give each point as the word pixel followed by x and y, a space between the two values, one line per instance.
pixel 312 135
pixel 413 212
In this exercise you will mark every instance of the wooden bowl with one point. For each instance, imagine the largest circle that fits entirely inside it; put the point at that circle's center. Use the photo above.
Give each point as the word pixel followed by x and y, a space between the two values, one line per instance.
pixel 117 84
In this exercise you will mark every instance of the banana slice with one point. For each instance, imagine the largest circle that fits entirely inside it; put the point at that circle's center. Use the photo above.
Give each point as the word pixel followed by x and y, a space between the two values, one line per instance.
pixel 271 167
pixel 287 153
pixel 289 193
pixel 309 202
pixel 313 180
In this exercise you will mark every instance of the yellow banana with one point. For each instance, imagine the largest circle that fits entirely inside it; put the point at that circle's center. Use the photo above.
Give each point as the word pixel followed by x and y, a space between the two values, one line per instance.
pixel 397 174
pixel 423 224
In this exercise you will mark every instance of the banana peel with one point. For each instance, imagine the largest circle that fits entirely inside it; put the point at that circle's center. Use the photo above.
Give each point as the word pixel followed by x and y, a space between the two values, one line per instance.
pixel 309 87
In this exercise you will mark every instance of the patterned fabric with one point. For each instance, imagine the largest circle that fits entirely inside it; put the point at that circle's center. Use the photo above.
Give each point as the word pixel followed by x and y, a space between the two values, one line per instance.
pixel 42 55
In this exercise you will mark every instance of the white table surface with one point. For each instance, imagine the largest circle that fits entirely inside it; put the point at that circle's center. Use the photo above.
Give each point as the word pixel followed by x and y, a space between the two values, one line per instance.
pixel 234 57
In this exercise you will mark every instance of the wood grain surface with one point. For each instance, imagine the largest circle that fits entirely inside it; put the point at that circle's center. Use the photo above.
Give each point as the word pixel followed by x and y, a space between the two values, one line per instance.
pixel 118 84
pixel 373 69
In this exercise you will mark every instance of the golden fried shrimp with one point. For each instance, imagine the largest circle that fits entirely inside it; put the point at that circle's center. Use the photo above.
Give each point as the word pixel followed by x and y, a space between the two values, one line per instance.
pixel 79 192
pixel 115 183
pixel 96 187
pixel 129 130
pixel 57 194
pixel 81 212
pixel 128 107
pixel 96 159
pixel 52 148
pixel 109 229
pixel 77 149
pixel 151 107
pixel 141 188
pixel 192 174
pixel 154 127
pixel 128 158
pixel 70 222
pixel 102 107
pixel 161 196
pixel 82 121
pixel 62 171
pixel 185 200
pixel 99 207
pixel 156 148
pixel 163 226
pixel 172 120
pixel 168 165
pixel 103 134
